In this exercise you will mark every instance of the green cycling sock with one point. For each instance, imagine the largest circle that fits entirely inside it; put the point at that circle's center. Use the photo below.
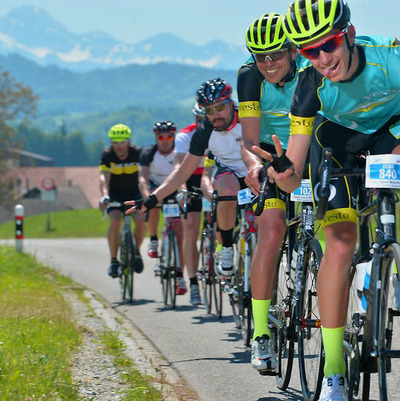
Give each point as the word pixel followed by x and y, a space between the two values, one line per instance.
pixel 260 316
pixel 333 345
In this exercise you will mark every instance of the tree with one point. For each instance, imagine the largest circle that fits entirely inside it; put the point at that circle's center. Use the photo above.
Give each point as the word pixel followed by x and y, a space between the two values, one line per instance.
pixel 17 104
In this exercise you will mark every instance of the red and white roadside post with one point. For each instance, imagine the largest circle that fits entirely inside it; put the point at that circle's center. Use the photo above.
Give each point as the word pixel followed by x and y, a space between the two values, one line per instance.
pixel 19 213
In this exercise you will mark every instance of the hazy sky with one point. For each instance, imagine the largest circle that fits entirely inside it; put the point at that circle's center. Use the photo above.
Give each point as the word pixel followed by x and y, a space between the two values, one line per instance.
pixel 199 21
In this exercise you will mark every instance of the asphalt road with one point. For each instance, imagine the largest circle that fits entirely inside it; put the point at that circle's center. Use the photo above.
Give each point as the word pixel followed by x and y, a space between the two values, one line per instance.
pixel 208 353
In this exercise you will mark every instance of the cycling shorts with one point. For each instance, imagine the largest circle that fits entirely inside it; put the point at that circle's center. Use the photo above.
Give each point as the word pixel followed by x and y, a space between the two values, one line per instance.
pixel 222 170
pixel 346 144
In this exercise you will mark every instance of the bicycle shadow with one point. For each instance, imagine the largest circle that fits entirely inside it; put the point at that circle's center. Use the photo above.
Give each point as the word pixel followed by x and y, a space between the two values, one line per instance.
pixel 207 317
pixel 135 302
pixel 291 394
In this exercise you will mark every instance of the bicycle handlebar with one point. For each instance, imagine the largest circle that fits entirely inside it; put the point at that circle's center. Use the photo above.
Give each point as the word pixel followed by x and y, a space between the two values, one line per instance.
pixel 261 197
pixel 326 172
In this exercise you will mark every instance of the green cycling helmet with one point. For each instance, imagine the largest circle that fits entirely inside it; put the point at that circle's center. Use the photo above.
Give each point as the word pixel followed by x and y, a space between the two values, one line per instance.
pixel 119 133
pixel 307 20
pixel 266 34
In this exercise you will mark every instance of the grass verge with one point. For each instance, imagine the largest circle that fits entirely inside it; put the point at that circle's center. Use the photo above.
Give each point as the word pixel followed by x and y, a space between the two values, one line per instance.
pixel 37 334
pixel 139 385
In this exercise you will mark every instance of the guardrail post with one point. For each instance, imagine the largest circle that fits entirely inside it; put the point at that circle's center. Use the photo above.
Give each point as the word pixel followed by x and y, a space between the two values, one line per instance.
pixel 19 213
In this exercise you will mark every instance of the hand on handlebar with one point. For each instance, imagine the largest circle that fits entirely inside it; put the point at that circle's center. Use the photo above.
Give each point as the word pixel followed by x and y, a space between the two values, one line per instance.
pixel 252 179
pixel 103 203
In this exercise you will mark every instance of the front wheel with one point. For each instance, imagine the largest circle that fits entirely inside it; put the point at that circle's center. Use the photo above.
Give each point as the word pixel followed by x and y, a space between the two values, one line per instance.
pixel 281 310
pixel 127 258
pixel 310 353
pixel 388 386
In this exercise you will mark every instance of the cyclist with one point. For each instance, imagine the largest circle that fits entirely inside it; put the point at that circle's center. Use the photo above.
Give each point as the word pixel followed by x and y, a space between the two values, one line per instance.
pixel 119 182
pixel 266 83
pixel 156 162
pixel 222 135
pixel 354 87
pixel 191 224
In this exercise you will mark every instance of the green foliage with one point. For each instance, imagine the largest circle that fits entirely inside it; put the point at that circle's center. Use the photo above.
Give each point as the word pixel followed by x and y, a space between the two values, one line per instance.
pixel 16 102
pixel 66 150
pixel 37 335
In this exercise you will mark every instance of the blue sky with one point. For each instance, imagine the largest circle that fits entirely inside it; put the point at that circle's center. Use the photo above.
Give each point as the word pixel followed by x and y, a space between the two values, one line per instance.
pixel 199 21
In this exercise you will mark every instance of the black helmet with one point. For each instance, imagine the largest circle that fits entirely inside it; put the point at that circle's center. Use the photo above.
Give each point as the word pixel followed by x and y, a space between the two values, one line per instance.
pixel 213 91
pixel 164 127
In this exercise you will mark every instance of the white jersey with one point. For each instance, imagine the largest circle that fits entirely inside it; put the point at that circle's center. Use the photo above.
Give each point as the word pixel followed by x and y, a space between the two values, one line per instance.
pixel 160 165
pixel 224 145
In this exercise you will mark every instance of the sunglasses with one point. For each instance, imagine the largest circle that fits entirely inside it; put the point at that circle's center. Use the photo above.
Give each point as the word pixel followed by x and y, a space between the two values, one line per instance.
pixel 328 46
pixel 273 56
pixel 211 110
pixel 165 137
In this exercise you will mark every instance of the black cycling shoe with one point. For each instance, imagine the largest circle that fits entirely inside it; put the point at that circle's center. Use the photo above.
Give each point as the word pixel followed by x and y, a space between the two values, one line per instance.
pixel 113 269
pixel 138 264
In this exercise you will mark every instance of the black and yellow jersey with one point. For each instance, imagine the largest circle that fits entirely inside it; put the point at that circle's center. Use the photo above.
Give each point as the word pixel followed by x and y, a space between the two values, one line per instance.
pixel 124 183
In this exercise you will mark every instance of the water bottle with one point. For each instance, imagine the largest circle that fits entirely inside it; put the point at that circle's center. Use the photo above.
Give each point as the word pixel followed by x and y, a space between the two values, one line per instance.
pixel 363 279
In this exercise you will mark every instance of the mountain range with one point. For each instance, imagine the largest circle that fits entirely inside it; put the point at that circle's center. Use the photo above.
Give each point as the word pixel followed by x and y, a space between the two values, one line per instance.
pixel 32 33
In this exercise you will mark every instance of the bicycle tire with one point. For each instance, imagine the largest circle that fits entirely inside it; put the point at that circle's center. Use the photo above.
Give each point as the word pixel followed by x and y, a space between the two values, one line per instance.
pixel 122 280
pixel 217 294
pixel 282 306
pixel 390 254
pixel 130 269
pixel 206 259
pixel 174 268
pixel 235 290
pixel 164 271
pixel 170 288
pixel 310 349
pixel 247 333
pixel 127 253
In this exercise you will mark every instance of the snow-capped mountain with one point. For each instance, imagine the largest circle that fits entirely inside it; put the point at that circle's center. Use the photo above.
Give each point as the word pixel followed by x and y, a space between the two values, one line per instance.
pixel 31 32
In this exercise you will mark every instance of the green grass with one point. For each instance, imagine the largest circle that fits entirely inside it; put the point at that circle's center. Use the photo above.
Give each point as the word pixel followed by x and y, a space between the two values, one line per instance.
pixel 140 386
pixel 66 224
pixel 37 334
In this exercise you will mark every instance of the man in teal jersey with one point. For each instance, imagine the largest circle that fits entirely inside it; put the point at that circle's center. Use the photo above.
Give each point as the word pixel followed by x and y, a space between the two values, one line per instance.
pixel 265 86
pixel 355 87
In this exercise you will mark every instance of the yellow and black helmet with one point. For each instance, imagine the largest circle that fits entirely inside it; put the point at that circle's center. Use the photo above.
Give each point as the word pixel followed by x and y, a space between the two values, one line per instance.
pixel 266 34
pixel 119 133
pixel 307 20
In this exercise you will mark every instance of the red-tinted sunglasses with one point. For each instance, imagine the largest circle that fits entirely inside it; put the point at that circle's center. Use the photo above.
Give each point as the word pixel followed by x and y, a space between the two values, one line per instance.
pixel 165 137
pixel 328 46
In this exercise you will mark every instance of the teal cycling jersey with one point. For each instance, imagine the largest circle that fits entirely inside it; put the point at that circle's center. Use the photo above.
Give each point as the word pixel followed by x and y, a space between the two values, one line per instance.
pixel 364 103
pixel 269 102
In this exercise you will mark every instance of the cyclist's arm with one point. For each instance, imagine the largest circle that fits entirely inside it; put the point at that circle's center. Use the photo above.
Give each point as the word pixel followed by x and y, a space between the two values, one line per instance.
pixel 104 182
pixel 178 176
pixel 206 184
pixel 249 86
pixel 144 178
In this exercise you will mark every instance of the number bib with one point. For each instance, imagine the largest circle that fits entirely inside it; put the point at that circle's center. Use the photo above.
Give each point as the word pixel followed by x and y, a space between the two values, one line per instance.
pixel 383 171
pixel 244 196
pixel 302 193
pixel 206 205
pixel 171 210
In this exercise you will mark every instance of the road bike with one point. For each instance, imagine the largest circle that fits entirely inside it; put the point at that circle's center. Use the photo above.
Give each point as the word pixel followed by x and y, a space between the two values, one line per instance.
pixel 127 257
pixel 294 314
pixel 169 263
pixel 244 240
pixel 209 281
pixel 369 336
